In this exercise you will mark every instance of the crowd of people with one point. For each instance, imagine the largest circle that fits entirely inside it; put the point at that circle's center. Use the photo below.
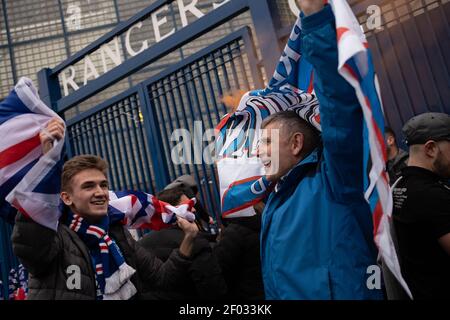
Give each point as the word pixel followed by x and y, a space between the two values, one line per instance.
pixel 311 238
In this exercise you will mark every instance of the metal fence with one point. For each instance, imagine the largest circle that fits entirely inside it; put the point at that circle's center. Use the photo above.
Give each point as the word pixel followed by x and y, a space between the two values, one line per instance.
pixel 115 132
pixel 411 51
pixel 188 97
pixel 134 130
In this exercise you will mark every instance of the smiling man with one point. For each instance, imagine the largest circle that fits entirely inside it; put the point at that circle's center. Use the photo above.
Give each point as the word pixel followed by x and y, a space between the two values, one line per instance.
pixel 316 236
pixel 96 244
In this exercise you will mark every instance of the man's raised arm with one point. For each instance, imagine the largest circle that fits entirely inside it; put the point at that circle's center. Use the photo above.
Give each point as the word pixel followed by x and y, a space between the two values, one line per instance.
pixel 340 112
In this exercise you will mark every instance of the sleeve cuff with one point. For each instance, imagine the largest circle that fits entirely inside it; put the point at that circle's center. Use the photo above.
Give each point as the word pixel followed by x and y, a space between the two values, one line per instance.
pixel 182 256
pixel 316 20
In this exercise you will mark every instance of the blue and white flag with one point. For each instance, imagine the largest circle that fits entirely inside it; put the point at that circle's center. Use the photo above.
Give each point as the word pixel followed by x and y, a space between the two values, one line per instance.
pixel 240 170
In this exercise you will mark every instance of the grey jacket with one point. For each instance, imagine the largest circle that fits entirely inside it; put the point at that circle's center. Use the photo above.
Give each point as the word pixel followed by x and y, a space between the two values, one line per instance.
pixel 394 167
pixel 47 255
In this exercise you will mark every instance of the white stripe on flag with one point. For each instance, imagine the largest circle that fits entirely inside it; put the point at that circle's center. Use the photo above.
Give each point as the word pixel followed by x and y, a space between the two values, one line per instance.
pixel 23 126
pixel 7 172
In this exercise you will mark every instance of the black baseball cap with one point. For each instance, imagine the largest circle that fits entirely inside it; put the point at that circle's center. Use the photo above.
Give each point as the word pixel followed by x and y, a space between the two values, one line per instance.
pixel 427 126
pixel 184 181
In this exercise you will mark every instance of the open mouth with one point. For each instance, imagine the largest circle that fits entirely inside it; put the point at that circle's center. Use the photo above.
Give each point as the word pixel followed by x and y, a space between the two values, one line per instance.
pixel 266 163
pixel 99 202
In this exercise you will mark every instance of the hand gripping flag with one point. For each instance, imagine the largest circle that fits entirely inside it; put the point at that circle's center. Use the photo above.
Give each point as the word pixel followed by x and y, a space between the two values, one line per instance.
pixel 291 88
pixel 27 177
pixel 137 209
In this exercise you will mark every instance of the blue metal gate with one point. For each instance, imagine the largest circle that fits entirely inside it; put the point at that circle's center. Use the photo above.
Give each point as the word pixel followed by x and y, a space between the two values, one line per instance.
pixel 411 51
pixel 133 130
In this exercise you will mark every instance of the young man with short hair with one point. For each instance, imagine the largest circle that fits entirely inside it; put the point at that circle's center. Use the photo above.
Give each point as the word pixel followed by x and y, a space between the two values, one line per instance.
pixel 91 255
pixel 316 235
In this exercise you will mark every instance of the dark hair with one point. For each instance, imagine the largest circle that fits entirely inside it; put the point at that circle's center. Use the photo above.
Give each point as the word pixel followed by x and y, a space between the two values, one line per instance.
pixel 294 123
pixel 78 164
pixel 171 196
pixel 388 130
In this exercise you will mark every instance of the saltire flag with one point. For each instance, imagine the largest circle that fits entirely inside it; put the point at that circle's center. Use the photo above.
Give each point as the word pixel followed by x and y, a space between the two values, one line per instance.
pixel 294 76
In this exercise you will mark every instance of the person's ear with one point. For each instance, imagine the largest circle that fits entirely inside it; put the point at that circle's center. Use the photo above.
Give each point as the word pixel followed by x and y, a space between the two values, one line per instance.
pixel 66 198
pixel 297 143
pixel 431 149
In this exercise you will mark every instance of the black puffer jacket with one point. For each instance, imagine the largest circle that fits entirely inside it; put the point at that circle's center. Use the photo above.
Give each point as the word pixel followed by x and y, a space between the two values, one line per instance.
pixel 47 254
pixel 238 253
pixel 205 279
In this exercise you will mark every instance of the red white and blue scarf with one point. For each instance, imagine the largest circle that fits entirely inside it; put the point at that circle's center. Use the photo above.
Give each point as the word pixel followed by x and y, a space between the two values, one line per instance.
pixel 112 273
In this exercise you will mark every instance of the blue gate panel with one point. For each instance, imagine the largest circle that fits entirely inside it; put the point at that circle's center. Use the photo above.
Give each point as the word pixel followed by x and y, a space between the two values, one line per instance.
pixel 412 59
pixel 190 92
pixel 115 131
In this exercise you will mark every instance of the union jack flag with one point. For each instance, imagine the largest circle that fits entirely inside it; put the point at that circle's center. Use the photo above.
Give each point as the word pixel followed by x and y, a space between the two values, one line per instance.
pixel 137 209
pixel 27 177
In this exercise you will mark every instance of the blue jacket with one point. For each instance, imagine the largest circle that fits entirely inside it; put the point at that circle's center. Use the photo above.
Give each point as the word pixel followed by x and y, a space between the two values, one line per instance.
pixel 316 239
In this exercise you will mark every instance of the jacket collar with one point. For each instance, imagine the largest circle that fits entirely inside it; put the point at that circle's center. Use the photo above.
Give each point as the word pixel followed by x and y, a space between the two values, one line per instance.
pixel 402 155
pixel 421 172
pixel 299 169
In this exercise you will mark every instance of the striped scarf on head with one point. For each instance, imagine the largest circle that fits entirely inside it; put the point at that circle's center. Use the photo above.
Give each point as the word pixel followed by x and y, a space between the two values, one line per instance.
pixel 112 273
